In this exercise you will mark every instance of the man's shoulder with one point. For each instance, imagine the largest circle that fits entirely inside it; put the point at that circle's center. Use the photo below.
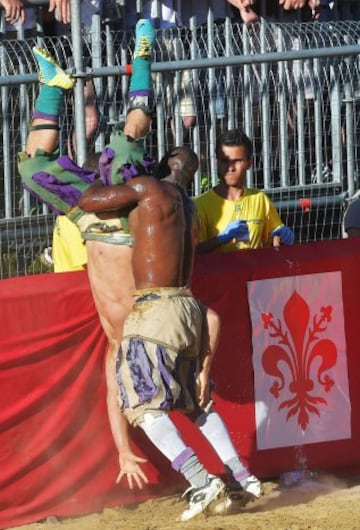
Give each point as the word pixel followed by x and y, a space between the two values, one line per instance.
pixel 206 197
pixel 258 194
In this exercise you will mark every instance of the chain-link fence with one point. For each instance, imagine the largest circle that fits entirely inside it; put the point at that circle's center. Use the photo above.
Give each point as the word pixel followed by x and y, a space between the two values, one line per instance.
pixel 294 88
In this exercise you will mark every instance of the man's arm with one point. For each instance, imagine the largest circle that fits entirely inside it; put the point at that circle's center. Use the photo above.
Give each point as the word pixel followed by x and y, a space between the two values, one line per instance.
pixel 99 198
pixel 208 246
pixel 237 229
pixel 129 462
pixel 278 234
pixel 210 342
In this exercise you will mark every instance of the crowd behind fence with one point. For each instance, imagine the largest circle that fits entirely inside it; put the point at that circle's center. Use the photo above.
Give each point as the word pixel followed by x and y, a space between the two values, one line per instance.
pixel 294 88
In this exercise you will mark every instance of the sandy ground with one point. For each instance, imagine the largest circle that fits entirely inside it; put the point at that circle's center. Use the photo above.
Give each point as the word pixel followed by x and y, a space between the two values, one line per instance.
pixel 323 504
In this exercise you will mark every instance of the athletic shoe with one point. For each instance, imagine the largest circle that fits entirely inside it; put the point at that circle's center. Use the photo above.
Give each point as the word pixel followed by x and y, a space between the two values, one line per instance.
pixel 238 496
pixel 200 498
pixel 145 37
pixel 234 499
pixel 50 73
pixel 253 486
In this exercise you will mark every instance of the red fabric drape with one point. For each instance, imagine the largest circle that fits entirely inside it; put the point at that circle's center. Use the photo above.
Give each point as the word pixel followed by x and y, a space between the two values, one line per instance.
pixel 57 456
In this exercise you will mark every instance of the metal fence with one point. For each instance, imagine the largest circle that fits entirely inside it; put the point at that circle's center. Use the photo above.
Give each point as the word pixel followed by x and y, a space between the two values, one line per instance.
pixel 294 88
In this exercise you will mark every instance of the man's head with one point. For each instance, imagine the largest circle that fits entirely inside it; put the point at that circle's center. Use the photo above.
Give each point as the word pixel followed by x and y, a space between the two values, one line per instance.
pixel 352 219
pixel 178 165
pixel 234 157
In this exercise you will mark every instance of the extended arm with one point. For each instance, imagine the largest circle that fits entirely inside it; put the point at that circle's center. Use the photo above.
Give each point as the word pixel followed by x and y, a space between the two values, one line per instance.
pixel 129 462
pixel 213 325
pixel 99 198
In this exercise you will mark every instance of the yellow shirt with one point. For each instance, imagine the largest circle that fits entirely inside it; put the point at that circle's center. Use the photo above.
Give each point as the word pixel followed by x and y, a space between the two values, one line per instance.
pixel 254 207
pixel 68 247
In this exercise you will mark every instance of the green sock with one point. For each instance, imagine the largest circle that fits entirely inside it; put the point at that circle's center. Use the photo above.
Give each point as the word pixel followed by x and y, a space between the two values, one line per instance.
pixel 141 75
pixel 50 100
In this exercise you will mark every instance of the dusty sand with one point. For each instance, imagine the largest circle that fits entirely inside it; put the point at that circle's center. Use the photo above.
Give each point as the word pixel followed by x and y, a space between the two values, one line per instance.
pixel 325 504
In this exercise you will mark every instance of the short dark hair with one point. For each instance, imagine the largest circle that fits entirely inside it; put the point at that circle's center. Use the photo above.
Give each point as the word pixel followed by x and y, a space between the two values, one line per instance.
pixel 162 170
pixel 233 138
pixel 92 162
pixel 191 163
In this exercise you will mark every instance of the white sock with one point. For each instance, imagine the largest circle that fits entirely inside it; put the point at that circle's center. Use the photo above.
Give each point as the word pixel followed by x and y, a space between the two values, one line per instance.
pixel 215 431
pixel 163 434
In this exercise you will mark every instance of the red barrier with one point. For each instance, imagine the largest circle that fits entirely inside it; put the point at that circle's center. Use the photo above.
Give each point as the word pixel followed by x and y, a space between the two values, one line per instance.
pixel 56 452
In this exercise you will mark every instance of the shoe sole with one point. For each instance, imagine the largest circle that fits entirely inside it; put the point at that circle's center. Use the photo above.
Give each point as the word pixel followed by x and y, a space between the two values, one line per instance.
pixel 229 506
pixel 139 35
pixel 61 79
pixel 233 503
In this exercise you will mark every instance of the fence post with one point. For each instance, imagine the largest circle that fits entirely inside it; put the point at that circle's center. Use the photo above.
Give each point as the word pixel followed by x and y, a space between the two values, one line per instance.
pixel 79 98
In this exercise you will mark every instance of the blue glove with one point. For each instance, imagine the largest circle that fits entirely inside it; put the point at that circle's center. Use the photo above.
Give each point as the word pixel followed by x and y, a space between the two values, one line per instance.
pixel 286 235
pixel 236 229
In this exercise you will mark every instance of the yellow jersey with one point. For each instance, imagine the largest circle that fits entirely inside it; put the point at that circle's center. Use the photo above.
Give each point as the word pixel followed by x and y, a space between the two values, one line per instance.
pixel 254 207
pixel 68 247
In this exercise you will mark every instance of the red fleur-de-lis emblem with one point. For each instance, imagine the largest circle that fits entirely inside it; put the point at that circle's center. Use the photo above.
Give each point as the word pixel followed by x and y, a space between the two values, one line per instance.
pixel 298 352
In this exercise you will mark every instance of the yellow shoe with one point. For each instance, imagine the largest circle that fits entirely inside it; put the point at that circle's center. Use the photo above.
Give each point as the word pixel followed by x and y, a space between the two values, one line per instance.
pixel 50 73
pixel 144 39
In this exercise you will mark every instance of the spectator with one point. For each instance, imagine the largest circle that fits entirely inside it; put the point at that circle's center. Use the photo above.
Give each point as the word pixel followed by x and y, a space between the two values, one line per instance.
pixel 68 247
pixel 347 9
pixel 323 11
pixel 351 222
pixel 233 216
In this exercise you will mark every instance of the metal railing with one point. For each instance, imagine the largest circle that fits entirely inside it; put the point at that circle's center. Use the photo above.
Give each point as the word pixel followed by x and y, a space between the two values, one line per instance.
pixel 294 88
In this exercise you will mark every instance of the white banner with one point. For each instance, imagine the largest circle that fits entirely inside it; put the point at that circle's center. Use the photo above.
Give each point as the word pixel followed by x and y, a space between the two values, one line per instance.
pixel 299 359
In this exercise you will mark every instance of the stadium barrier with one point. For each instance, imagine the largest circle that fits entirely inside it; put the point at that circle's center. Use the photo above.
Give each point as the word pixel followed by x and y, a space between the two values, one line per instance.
pixel 57 457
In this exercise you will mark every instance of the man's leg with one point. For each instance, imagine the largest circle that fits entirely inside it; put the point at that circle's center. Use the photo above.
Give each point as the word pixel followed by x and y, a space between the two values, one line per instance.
pixel 58 182
pixel 44 132
pixel 204 488
pixel 125 156
pixel 214 429
pixel 140 90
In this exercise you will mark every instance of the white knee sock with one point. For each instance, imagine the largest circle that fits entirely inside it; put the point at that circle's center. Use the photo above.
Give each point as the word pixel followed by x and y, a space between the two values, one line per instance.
pixel 215 431
pixel 165 436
